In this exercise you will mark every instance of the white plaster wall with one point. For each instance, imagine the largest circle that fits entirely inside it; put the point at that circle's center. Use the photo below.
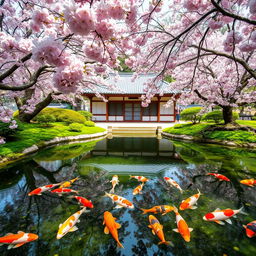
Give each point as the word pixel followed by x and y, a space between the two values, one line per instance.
pixel 166 111
pixel 99 107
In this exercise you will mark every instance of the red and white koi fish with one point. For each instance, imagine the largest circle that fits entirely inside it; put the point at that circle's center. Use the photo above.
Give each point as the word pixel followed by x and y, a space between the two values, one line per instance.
pixel 111 227
pixel 249 182
pixel 189 202
pixel 219 176
pixel 219 215
pixel 85 202
pixel 67 184
pixel 40 190
pixel 120 201
pixel 17 240
pixel 250 229
pixel 173 183
pixel 157 229
pixel 138 189
pixel 114 182
pixel 139 178
pixel 183 228
pixel 159 209
pixel 61 191
pixel 69 224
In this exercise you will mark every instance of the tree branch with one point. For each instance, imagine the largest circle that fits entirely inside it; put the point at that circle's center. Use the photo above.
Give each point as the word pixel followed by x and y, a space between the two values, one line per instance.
pixel 32 81
pixel 232 15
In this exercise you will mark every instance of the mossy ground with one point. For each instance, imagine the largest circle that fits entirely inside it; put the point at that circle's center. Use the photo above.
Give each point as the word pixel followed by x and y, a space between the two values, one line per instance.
pixel 34 134
pixel 197 130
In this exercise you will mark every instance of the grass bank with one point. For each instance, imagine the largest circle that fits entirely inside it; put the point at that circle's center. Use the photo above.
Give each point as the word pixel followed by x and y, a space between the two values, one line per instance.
pixel 198 131
pixel 35 134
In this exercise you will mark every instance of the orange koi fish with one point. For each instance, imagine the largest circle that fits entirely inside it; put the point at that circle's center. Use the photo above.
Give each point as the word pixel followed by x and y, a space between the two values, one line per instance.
pixel 120 201
pixel 250 229
pixel 173 183
pixel 219 176
pixel 85 202
pixel 157 229
pixel 140 178
pixel 69 224
pixel 67 184
pixel 17 240
pixel 138 189
pixel 159 209
pixel 183 228
pixel 61 191
pixel 111 227
pixel 40 190
pixel 189 202
pixel 249 182
pixel 219 215
pixel 114 182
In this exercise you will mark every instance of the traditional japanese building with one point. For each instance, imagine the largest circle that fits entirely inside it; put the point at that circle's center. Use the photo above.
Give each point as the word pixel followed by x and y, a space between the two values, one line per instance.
pixel 125 106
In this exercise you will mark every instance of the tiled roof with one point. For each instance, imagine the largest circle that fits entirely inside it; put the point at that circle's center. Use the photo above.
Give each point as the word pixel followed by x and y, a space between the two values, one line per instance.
pixel 127 86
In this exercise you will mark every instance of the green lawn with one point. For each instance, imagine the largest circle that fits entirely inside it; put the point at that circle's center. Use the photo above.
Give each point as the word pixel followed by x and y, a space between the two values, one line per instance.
pixel 197 130
pixel 30 134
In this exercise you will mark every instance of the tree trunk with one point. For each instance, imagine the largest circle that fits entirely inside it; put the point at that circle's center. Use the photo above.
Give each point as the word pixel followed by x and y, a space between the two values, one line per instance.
pixel 227 114
pixel 27 117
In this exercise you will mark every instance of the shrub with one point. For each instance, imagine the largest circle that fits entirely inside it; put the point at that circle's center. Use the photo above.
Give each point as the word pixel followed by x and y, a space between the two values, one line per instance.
pixel 62 115
pixel 76 127
pixel 191 114
pixel 89 123
pixel 46 119
pixel 254 118
pixel 217 116
pixel 5 130
pixel 86 114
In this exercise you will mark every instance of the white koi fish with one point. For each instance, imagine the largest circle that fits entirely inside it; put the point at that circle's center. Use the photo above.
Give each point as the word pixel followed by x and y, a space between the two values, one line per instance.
pixel 173 183
pixel 40 190
pixel 114 182
pixel 69 224
pixel 120 201
pixel 189 202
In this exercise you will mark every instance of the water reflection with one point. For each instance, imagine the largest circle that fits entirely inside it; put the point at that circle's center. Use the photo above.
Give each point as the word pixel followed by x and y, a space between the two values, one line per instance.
pixel 187 163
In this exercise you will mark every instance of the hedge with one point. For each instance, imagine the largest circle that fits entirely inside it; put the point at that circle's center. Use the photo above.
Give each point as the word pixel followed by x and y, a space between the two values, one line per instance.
pixel 191 114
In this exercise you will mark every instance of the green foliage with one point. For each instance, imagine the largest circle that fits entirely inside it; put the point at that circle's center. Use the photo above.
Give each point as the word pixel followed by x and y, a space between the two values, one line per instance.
pixel 247 123
pixel 197 129
pixel 34 134
pixel 217 116
pixel 76 127
pixel 5 131
pixel 62 115
pixel 254 118
pixel 46 119
pixel 191 114
pixel 89 123
pixel 124 67
pixel 86 114
pixel 169 79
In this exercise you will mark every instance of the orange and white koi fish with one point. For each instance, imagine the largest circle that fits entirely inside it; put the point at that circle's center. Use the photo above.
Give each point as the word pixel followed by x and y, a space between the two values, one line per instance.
pixel 111 226
pixel 249 182
pixel 61 191
pixel 159 209
pixel 67 184
pixel 85 202
pixel 114 182
pixel 189 202
pixel 157 229
pixel 219 215
pixel 173 183
pixel 120 201
pixel 40 190
pixel 138 189
pixel 17 240
pixel 183 228
pixel 69 224
pixel 139 178
pixel 250 229
pixel 219 176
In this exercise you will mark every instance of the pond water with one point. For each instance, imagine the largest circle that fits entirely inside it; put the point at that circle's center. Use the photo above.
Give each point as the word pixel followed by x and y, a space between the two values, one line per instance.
pixel 96 163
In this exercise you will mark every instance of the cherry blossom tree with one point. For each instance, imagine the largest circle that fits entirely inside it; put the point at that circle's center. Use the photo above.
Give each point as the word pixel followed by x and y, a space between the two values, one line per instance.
pixel 208 47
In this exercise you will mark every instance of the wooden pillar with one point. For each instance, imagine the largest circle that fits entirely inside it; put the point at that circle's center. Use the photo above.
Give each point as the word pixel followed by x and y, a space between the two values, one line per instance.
pixel 107 109
pixel 174 110
pixel 90 104
pixel 158 108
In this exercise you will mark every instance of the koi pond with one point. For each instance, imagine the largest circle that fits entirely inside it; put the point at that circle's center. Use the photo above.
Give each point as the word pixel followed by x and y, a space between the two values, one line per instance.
pixel 96 162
